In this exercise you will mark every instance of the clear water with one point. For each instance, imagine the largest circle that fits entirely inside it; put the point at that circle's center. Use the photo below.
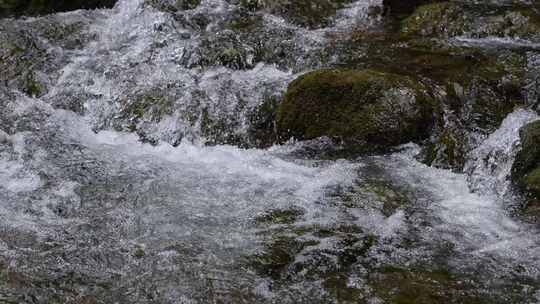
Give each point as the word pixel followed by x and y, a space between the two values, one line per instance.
pixel 89 213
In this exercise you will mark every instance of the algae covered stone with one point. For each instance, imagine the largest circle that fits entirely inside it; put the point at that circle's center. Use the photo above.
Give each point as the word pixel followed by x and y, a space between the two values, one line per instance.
pixel 437 19
pixel 367 109
pixel 450 19
pixel 526 168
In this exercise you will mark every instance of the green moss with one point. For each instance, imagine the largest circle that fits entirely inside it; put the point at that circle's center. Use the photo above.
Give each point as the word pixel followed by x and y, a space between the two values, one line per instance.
pixel 232 57
pixel 519 23
pixel 278 255
pixel 33 88
pixel 436 19
pixel 532 181
pixel 280 216
pixel 378 193
pixel 526 168
pixel 367 109
pixel 528 158
pixel 150 106
pixel 139 253
pixel 448 19
pixel 262 123
pixel 447 152
pixel 418 286
pixel 226 48
pixel 337 285
pixel 246 21
pixel 3 273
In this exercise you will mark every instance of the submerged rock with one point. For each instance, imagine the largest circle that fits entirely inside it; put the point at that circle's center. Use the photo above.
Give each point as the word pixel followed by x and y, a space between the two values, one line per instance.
pixel 17 8
pixel 526 168
pixel 368 110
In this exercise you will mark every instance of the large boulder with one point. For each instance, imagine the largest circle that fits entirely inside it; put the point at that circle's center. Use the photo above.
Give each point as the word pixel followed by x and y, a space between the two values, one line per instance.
pixel 526 168
pixel 368 110
pixel 16 8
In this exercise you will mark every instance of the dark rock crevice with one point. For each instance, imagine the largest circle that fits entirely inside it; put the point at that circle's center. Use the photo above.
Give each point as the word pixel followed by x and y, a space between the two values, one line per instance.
pixel 18 8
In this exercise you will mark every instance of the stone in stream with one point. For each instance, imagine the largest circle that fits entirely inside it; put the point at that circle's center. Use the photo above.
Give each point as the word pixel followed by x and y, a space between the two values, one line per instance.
pixel 367 109
pixel 526 168
pixel 32 52
pixel 449 19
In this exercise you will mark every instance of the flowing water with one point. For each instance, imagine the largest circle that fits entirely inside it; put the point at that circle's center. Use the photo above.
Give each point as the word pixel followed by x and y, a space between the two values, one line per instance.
pixel 89 213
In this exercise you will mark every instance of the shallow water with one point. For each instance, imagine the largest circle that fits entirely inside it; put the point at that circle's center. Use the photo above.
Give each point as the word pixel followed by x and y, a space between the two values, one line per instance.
pixel 90 213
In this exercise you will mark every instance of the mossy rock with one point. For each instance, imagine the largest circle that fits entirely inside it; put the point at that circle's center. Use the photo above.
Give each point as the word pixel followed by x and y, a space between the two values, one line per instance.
pixel 262 123
pixel 421 286
pixel 141 111
pixel 150 106
pixel 277 255
pixel 437 19
pixel 447 150
pixel 246 21
pixel 280 216
pixel 450 19
pixel 21 57
pixel 526 168
pixel 226 48
pixel 518 23
pixel 368 110
pixel 376 190
pixel 32 87
pixel 531 183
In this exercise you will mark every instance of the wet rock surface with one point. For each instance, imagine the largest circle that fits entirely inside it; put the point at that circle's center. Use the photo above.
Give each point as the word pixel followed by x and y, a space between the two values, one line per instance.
pixel 140 161
pixel 526 168
pixel 367 109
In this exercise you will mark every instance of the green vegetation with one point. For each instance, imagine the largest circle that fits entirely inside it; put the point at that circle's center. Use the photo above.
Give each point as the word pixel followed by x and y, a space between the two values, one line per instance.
pixel 526 169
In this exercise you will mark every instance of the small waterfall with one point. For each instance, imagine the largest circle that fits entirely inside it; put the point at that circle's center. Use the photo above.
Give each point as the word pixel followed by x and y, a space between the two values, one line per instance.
pixel 489 165
pixel 87 207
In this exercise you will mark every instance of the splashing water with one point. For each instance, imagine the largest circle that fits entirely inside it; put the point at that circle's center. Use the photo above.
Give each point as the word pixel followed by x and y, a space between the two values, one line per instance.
pixel 490 164
pixel 89 212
